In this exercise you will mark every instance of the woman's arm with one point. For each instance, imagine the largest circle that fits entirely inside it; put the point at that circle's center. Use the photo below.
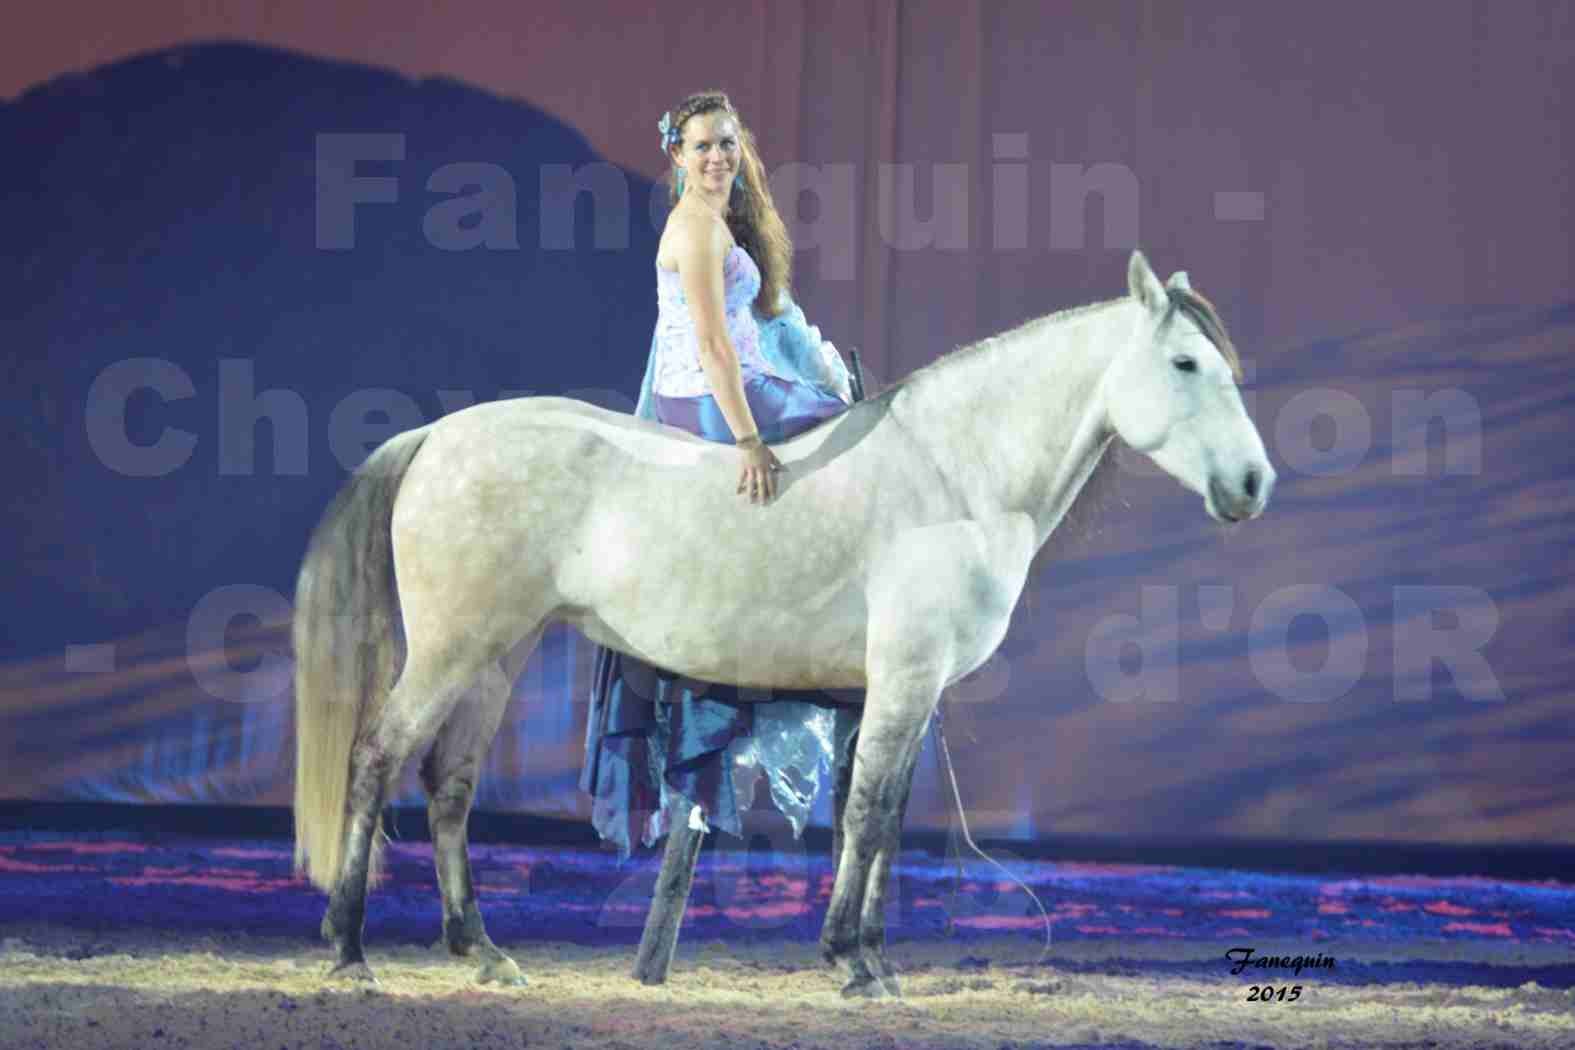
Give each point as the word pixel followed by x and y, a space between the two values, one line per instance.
pixel 700 257
pixel 701 251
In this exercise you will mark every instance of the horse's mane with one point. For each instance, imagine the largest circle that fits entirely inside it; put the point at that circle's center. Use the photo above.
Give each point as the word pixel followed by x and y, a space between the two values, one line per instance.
pixel 1184 301
pixel 971 351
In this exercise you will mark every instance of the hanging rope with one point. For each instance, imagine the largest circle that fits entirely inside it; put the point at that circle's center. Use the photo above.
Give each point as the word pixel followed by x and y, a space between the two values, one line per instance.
pixel 962 819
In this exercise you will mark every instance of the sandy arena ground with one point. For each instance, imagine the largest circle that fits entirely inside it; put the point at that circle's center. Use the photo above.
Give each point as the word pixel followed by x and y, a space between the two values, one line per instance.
pixel 67 989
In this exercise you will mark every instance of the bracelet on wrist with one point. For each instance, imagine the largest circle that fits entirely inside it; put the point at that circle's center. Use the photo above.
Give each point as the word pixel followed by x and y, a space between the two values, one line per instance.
pixel 748 441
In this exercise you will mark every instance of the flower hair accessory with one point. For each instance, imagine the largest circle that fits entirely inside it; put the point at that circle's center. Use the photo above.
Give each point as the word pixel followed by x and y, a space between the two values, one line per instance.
pixel 671 136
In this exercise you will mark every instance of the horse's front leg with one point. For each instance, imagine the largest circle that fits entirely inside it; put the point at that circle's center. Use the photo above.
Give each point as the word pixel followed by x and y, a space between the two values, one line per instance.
pixel 897 710
pixel 845 736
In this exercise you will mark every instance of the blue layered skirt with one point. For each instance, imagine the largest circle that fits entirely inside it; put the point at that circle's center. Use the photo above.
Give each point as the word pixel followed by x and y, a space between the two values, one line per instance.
pixel 659 743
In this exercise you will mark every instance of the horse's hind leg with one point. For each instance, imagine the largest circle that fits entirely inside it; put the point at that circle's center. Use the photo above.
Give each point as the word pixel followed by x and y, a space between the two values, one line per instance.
pixel 450 774
pixel 428 688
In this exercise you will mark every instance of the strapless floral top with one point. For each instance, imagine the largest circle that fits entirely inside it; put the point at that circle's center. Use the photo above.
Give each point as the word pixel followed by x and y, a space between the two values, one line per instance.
pixel 678 371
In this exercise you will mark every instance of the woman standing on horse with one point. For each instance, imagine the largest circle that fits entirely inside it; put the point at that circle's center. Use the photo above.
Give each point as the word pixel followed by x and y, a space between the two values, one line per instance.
pixel 732 361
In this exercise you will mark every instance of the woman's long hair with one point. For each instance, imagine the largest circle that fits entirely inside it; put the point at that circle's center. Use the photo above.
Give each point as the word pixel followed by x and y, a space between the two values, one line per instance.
pixel 752 214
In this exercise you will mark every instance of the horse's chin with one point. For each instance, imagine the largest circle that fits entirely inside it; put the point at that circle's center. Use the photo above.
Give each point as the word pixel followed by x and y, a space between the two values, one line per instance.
pixel 1217 514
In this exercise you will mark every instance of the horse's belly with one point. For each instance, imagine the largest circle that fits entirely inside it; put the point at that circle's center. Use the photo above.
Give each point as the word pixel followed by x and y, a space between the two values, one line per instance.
pixel 716 597
pixel 759 647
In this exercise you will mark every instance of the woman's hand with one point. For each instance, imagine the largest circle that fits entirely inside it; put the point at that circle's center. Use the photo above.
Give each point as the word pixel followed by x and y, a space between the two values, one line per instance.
pixel 757 481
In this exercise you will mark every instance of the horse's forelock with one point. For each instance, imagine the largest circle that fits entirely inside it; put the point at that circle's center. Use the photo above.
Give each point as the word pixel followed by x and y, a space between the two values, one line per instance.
pixel 1202 313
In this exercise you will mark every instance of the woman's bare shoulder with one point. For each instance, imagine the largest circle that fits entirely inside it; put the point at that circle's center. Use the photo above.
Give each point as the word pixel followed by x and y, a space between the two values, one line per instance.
pixel 693 236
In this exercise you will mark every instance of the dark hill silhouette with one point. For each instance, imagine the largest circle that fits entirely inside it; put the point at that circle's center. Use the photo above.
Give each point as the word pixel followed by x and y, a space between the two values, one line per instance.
pixel 163 207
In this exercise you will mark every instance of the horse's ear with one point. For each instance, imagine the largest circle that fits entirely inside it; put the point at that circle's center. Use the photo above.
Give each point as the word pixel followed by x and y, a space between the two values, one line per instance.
pixel 1179 280
pixel 1144 285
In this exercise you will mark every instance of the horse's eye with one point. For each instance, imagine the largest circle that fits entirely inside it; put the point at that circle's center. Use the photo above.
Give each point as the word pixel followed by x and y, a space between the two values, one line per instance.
pixel 1185 364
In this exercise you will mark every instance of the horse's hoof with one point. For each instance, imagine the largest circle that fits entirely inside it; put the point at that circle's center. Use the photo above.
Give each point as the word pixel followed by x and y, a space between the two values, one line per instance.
pixel 354 973
pixel 457 949
pixel 502 971
pixel 864 987
pixel 892 985
pixel 649 975
pixel 836 955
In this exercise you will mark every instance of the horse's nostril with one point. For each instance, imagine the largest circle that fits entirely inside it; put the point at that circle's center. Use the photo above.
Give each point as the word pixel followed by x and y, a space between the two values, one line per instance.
pixel 1249 484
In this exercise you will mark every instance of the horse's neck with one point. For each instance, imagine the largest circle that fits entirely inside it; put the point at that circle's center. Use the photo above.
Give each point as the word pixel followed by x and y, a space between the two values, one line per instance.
pixel 1018 427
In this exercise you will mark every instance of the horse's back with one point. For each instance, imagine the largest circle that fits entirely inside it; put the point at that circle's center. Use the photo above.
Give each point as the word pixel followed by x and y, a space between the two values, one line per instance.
pixel 529 473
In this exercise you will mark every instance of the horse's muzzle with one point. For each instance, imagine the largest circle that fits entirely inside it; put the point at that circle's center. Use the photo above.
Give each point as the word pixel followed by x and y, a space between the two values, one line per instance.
pixel 1241 498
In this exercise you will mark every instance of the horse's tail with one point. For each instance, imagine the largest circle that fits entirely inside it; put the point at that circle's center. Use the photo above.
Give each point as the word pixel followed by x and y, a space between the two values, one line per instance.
pixel 345 649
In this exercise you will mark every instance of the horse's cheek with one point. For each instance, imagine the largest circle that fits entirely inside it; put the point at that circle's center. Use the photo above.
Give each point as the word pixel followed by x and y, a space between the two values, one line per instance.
pixel 1139 424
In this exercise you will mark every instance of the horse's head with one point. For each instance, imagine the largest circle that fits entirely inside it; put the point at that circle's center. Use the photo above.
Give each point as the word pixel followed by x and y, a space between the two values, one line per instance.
pixel 1171 393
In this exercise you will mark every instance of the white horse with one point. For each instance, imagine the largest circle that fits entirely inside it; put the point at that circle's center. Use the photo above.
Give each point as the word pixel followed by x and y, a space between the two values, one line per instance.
pixel 890 561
